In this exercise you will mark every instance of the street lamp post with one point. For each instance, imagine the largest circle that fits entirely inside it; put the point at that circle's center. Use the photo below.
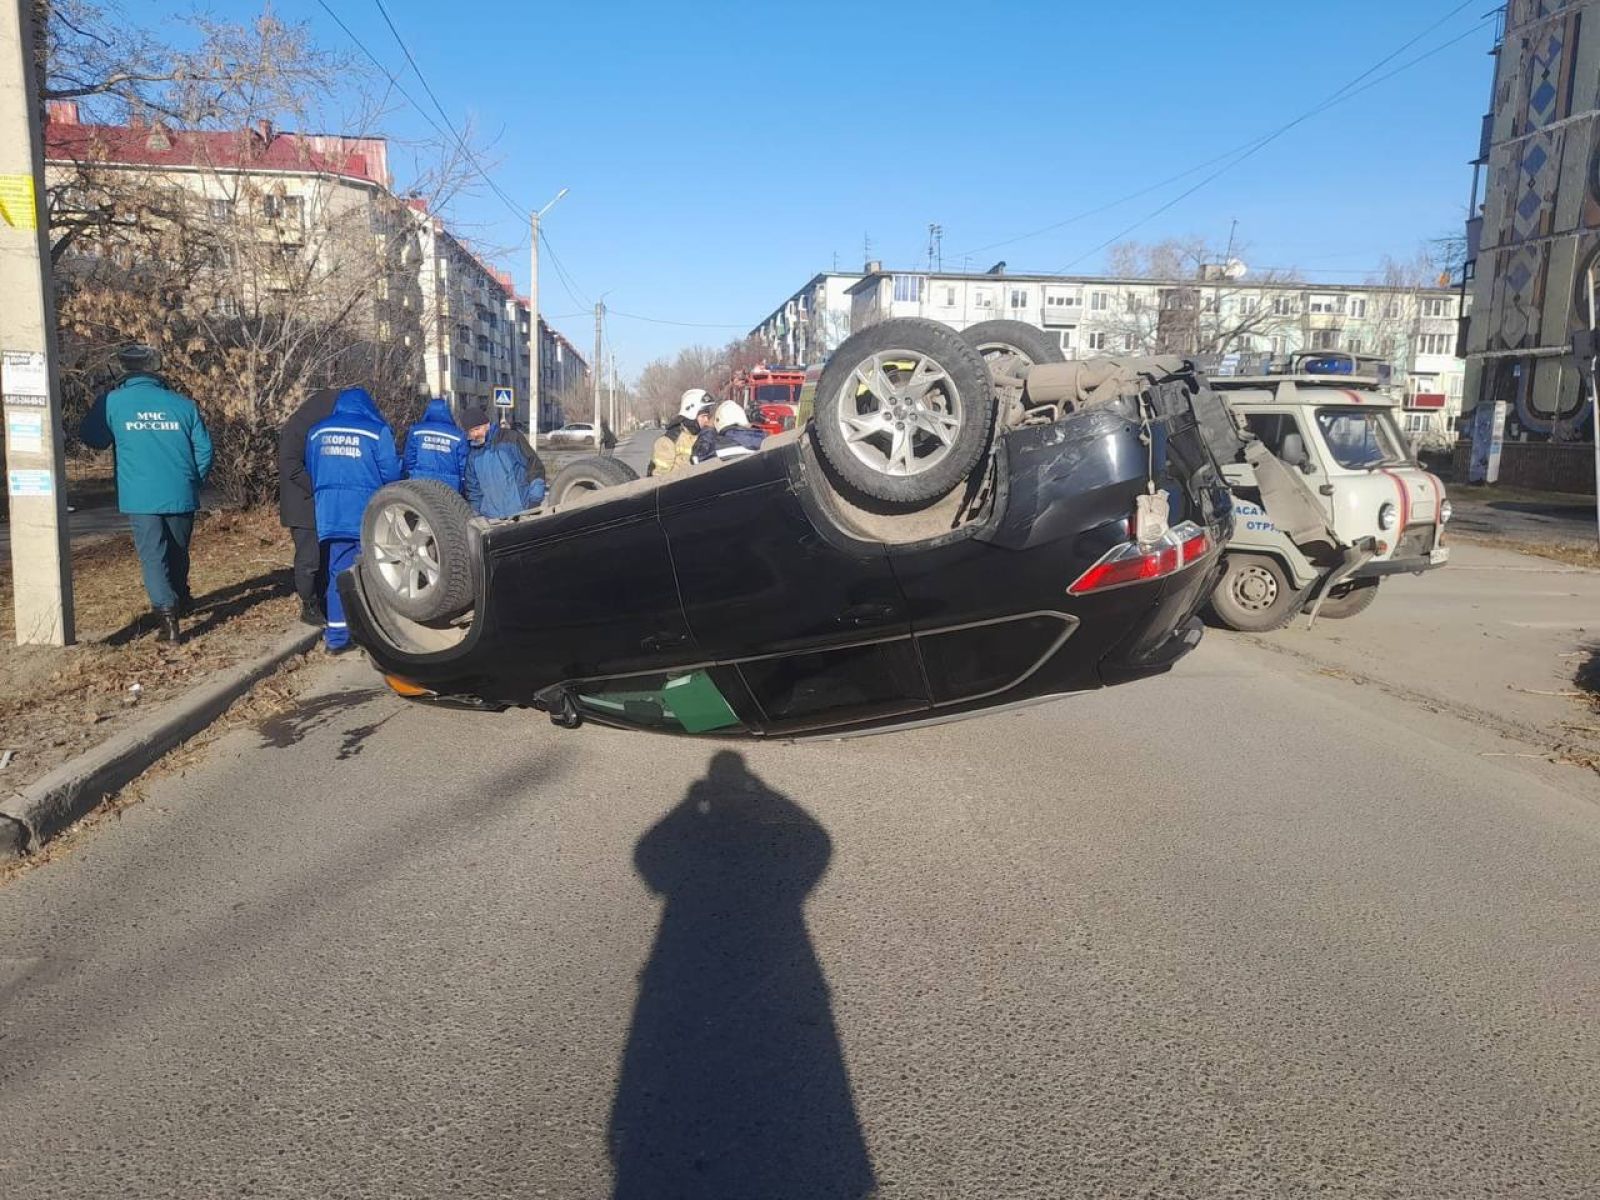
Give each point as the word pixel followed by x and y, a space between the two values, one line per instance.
pixel 533 317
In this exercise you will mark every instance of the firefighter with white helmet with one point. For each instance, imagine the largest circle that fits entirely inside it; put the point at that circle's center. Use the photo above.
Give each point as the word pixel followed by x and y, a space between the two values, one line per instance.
pixel 729 435
pixel 672 449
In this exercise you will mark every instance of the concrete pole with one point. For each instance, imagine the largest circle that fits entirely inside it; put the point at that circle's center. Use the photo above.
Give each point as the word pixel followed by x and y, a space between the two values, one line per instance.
pixel 596 368
pixel 611 398
pixel 533 331
pixel 41 564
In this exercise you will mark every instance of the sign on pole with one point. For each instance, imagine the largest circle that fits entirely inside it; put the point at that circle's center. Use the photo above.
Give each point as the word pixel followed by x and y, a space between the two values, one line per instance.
pixel 1497 439
pixel 504 397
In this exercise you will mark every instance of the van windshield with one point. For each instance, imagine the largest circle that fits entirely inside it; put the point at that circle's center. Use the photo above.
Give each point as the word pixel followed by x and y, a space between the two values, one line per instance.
pixel 1360 438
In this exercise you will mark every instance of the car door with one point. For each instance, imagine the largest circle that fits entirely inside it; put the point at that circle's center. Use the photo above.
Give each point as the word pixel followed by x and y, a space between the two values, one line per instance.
pixel 588 592
pixel 816 621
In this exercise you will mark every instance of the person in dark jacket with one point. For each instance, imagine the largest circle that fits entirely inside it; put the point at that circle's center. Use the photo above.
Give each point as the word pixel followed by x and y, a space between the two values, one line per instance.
pixel 163 454
pixel 349 457
pixel 729 436
pixel 436 448
pixel 296 510
pixel 504 476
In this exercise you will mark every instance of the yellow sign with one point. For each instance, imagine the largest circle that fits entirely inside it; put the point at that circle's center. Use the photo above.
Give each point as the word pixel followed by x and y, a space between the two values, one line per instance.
pixel 17 205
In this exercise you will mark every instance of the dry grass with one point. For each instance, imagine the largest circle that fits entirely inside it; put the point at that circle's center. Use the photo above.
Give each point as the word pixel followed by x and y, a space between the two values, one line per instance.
pixel 55 703
pixel 1570 553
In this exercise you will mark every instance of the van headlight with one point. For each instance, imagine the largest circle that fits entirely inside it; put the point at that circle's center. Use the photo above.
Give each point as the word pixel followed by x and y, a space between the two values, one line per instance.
pixel 1445 512
pixel 1388 515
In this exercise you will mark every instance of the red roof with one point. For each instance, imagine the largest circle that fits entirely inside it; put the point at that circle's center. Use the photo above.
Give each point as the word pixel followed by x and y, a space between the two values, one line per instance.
pixel 260 149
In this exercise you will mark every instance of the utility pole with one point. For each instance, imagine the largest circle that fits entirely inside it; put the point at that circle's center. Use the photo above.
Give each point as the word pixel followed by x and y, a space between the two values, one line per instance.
pixel 533 318
pixel 611 401
pixel 597 369
pixel 41 562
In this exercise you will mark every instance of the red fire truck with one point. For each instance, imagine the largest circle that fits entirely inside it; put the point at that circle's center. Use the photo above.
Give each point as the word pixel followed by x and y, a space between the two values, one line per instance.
pixel 770 395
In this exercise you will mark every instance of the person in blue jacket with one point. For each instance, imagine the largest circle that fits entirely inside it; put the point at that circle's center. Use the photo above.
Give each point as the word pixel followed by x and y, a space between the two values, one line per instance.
pixel 163 454
pixel 349 457
pixel 504 476
pixel 435 447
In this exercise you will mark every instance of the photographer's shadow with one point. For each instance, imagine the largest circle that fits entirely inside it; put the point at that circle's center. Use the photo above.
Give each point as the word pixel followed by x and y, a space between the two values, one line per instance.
pixel 733 1082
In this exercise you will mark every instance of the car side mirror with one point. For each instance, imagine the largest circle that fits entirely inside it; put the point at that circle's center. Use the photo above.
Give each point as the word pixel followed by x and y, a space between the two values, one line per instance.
pixel 1293 452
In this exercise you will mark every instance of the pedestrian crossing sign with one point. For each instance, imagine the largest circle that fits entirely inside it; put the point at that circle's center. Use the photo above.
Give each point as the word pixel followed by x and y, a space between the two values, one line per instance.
pixel 502 397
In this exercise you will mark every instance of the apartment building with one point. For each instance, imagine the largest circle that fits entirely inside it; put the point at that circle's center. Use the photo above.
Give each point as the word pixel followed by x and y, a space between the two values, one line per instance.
pixel 1413 327
pixel 563 372
pixel 253 217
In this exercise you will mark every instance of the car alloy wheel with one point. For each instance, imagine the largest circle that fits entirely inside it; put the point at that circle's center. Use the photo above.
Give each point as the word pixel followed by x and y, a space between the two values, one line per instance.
pixel 406 551
pixel 899 413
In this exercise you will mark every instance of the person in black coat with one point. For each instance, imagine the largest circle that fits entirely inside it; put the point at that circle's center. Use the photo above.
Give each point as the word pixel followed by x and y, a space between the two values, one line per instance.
pixel 296 510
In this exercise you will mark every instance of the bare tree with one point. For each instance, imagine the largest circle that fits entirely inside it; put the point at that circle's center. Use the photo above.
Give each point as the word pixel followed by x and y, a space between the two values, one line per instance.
pixel 258 286
pixel 1203 305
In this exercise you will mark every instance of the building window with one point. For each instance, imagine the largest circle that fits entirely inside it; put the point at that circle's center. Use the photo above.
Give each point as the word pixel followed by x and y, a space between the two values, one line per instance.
pixel 982 298
pixel 1099 301
pixel 483 374
pixel 383 288
pixel 1432 343
pixel 1391 310
pixel 1435 306
pixel 1133 302
pixel 221 210
pixel 1210 303
pixel 383 331
pixel 1418 422
pixel 1354 345
pixel 287 208
pixel 1358 307
pixel 1060 299
pixel 1066 341
pixel 225 306
pixel 1277 343
pixel 1247 306
pixel 1325 304
pixel 1127 341
pixel 1324 339
pixel 1097 340
pixel 1282 306
pixel 1019 297
pixel 908 288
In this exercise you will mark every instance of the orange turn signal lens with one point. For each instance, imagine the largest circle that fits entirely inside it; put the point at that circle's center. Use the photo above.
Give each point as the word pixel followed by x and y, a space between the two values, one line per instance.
pixel 404 687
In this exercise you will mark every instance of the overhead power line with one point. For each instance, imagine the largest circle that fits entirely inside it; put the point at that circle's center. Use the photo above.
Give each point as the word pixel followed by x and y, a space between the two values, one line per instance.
pixel 461 141
pixel 1344 93
pixel 1227 155
pixel 683 324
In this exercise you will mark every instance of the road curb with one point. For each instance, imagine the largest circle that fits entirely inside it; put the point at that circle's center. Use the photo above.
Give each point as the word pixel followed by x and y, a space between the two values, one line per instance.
pixel 51 803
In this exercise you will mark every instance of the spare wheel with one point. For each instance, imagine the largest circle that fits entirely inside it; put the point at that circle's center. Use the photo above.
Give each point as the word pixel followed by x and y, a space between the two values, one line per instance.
pixel 904 410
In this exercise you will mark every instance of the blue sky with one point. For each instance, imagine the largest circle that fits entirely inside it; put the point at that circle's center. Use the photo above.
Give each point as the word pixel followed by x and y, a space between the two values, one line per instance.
pixel 719 154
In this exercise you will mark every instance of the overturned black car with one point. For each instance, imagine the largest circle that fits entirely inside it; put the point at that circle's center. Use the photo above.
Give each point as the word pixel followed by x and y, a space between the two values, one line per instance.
pixel 959 528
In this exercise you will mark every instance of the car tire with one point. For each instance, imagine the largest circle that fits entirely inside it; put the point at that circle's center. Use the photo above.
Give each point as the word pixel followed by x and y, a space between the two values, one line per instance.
pixel 938 387
pixel 1253 595
pixel 1355 599
pixel 591 474
pixel 1010 349
pixel 416 549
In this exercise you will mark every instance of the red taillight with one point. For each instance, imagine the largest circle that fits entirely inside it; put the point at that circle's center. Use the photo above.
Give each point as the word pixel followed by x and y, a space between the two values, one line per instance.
pixel 1195 547
pixel 1131 562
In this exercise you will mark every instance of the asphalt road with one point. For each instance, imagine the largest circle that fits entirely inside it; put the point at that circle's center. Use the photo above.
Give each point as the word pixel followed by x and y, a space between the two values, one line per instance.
pixel 1267 927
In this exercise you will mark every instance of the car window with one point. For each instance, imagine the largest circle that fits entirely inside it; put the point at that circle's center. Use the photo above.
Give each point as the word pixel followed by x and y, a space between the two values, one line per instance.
pixel 686 702
pixel 1272 428
pixel 852 683
pixel 1360 437
pixel 981 659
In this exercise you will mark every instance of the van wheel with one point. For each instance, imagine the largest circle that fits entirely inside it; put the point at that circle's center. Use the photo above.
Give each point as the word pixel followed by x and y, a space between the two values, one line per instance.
pixel 1253 595
pixel 1350 599
pixel 416 549
pixel 575 480
pixel 1010 350
pixel 904 410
